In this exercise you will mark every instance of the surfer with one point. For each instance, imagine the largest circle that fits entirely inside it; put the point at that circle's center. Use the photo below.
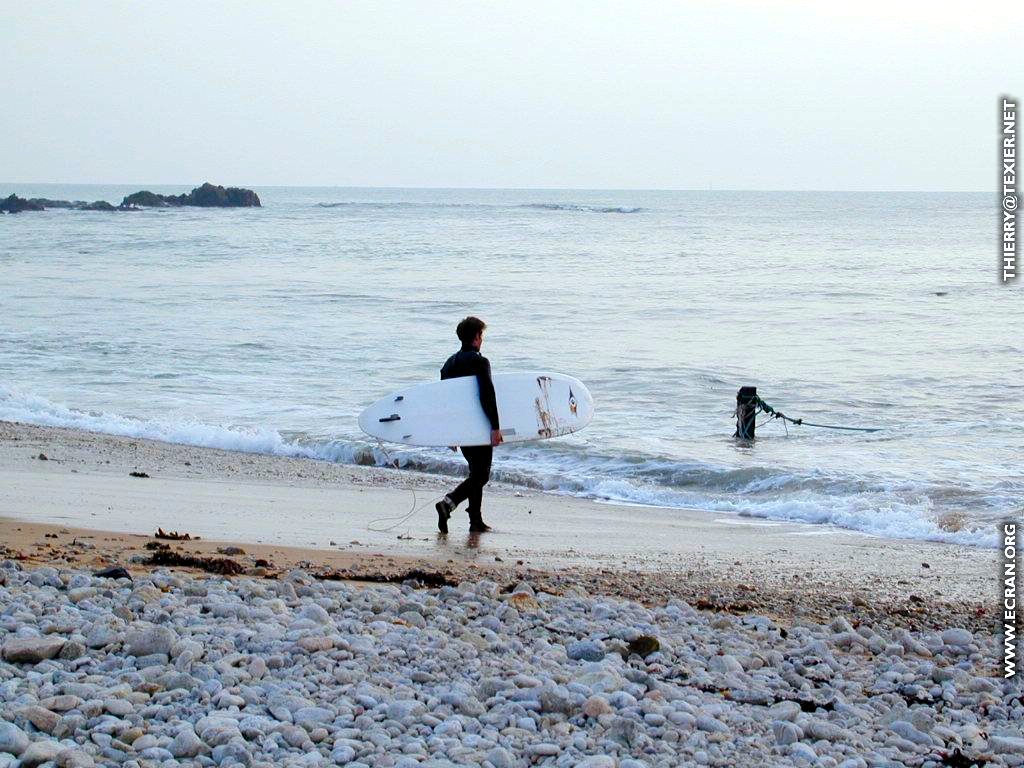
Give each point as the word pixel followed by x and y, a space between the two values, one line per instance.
pixel 469 362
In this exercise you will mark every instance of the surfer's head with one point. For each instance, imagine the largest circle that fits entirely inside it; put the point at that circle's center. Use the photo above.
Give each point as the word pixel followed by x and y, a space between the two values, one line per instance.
pixel 471 332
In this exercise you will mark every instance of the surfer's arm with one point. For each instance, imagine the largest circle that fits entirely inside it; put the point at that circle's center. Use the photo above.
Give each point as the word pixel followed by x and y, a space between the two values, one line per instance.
pixel 487 399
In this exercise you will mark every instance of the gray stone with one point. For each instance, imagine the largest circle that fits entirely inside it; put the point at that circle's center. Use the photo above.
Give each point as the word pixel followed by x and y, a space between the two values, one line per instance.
pixel 471 707
pixel 75 758
pixel 118 707
pixel 102 635
pixel 145 742
pixel 310 717
pixel 710 724
pixel 1006 745
pixel 500 757
pixel 344 754
pixel 726 665
pixel 39 752
pixel 156 753
pixel 585 650
pixel 815 728
pixel 800 751
pixel 403 708
pixel 907 731
pixel 315 613
pixel 13 740
pixel 544 749
pixel 294 735
pixel 61 703
pixel 957 637
pixel 786 732
pixel 555 700
pixel 146 642
pixel 72 650
pixel 186 744
pixel 32 650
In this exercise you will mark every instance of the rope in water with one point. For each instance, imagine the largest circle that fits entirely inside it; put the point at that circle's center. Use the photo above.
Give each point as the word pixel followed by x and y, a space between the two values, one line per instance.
pixel 763 407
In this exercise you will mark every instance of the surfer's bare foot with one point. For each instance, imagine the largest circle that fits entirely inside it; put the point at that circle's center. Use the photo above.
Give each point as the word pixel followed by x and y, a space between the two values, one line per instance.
pixel 444 510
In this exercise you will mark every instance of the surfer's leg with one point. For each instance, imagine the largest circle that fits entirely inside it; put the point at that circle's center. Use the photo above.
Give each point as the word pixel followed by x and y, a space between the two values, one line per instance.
pixel 464 490
pixel 480 470
pixel 467 489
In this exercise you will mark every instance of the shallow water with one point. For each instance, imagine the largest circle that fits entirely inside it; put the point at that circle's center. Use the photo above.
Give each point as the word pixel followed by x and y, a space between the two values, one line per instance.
pixel 269 329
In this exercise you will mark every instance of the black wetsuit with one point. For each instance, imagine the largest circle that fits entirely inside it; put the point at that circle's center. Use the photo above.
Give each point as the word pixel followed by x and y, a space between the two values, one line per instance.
pixel 469 362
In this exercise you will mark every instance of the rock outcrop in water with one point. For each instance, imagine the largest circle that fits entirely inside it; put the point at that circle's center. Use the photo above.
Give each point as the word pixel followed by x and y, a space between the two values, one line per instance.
pixel 74 205
pixel 15 204
pixel 206 196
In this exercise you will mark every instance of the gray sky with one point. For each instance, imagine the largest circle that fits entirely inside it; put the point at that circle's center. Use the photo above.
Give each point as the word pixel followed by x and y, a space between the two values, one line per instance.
pixel 667 95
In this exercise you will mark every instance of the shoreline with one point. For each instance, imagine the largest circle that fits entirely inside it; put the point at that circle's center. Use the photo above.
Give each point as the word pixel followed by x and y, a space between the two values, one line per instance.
pixel 645 554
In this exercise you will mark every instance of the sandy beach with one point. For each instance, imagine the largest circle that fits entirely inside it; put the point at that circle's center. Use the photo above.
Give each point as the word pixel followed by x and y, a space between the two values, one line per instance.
pixel 335 516
pixel 298 631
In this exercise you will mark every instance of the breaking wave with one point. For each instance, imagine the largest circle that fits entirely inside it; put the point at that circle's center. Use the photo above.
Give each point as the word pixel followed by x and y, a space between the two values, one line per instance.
pixel 581 208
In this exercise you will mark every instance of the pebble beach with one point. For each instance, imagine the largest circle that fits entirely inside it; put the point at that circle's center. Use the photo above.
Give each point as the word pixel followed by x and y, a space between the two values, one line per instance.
pixel 165 668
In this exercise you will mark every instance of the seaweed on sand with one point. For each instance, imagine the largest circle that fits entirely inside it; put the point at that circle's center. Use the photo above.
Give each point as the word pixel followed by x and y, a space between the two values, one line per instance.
pixel 426 578
pixel 218 565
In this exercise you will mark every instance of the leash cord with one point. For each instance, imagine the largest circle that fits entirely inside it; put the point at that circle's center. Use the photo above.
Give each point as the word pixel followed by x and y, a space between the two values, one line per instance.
pixel 399 519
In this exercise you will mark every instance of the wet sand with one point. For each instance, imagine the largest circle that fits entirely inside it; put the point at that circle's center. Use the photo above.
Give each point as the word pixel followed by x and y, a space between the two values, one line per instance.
pixel 327 518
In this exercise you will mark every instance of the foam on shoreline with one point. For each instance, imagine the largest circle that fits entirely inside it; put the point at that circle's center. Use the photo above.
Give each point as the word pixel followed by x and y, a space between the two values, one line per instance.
pixel 872 506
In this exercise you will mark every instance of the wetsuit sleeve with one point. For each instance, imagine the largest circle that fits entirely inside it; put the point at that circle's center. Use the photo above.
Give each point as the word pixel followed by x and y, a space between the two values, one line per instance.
pixel 487 399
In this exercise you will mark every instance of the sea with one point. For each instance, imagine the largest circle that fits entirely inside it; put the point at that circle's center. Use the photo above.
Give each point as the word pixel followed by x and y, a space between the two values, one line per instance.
pixel 269 329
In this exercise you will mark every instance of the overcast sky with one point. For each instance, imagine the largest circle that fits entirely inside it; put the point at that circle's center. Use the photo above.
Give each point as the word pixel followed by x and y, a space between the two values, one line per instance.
pixel 664 95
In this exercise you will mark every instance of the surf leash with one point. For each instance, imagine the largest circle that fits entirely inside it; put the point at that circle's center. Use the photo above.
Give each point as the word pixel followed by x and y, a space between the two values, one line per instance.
pixel 763 407
pixel 398 519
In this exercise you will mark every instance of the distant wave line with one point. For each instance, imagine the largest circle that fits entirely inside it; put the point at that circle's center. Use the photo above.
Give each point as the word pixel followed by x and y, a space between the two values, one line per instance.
pixel 570 207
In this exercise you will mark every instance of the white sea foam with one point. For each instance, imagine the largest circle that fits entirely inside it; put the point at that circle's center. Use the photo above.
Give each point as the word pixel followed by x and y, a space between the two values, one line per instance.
pixel 31 409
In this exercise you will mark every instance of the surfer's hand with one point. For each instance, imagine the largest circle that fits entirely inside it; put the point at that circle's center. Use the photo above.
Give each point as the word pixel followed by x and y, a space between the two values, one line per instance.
pixel 496 438
pixel 453 449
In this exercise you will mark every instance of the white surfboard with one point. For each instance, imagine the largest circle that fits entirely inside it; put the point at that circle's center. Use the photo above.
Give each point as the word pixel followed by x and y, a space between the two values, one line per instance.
pixel 531 406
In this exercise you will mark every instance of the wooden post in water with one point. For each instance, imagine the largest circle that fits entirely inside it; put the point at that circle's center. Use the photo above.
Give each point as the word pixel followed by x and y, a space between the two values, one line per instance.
pixel 746 409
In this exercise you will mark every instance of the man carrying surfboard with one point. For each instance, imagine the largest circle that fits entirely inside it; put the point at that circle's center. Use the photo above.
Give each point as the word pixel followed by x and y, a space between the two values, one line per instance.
pixel 469 362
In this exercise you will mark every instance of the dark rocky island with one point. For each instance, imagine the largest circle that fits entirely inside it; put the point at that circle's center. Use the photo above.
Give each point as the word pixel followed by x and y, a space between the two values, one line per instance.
pixel 15 204
pixel 206 196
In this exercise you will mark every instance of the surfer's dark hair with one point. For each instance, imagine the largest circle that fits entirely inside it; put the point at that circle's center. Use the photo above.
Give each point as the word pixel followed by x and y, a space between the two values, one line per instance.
pixel 468 328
